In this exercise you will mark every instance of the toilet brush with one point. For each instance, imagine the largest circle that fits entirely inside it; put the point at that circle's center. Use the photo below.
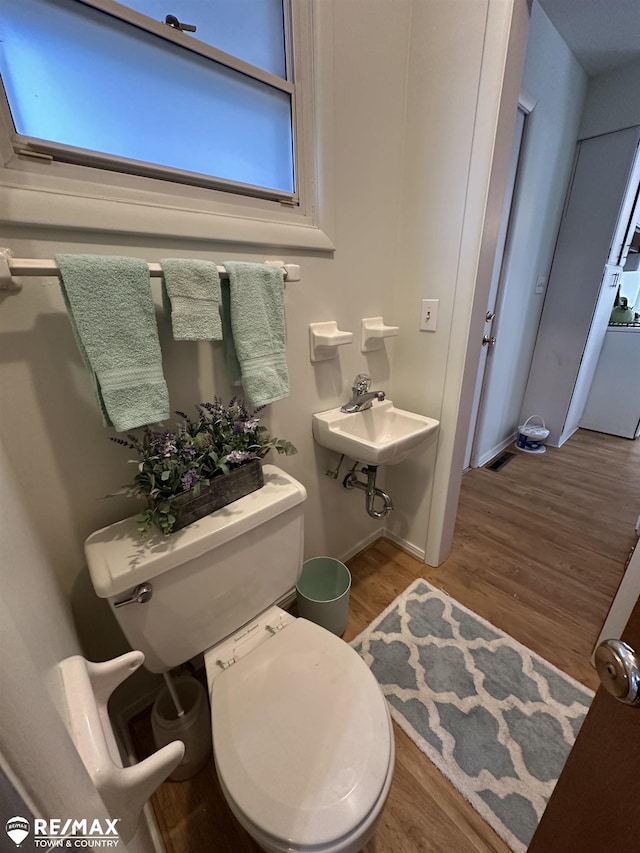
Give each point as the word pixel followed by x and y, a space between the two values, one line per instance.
pixel 173 693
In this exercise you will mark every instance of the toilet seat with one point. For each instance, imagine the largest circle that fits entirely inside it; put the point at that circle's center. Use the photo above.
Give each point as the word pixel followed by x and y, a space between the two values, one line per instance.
pixel 351 843
pixel 301 737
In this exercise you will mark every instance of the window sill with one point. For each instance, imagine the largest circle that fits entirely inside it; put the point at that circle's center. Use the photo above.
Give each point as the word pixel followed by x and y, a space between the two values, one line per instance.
pixel 51 207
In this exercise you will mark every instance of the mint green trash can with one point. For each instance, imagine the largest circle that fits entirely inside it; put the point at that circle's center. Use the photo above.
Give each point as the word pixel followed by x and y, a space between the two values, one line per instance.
pixel 323 593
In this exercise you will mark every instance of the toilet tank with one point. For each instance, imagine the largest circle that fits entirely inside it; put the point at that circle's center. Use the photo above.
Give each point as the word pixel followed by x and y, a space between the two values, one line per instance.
pixel 209 578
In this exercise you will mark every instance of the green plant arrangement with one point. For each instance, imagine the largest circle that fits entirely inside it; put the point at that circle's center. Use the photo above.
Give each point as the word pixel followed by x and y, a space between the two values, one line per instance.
pixel 186 461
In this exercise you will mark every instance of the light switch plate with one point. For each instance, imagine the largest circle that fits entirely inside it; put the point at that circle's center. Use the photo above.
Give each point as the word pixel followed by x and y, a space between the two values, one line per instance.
pixel 541 283
pixel 429 315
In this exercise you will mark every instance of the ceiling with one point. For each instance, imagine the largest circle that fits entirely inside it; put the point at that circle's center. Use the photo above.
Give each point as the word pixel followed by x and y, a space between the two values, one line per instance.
pixel 602 34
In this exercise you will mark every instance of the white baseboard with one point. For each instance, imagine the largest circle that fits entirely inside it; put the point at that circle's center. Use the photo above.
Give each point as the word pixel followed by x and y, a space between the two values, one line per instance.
pixel 488 455
pixel 355 549
pixel 565 437
pixel 403 543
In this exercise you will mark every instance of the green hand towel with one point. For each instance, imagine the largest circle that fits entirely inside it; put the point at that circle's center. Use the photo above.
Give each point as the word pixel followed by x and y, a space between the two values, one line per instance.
pixel 256 305
pixel 113 319
pixel 191 297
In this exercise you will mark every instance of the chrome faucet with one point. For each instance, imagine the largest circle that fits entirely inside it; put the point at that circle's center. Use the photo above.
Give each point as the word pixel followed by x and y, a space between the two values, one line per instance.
pixel 361 397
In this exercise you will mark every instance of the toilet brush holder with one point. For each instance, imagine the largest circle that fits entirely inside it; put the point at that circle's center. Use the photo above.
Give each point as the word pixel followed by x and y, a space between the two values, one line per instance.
pixel 192 727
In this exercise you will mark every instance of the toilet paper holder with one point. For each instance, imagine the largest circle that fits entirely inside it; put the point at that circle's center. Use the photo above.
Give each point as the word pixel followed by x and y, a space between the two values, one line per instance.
pixel 124 790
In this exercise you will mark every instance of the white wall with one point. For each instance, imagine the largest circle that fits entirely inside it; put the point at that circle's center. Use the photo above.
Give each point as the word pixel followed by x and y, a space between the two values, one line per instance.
pixel 36 632
pixel 450 197
pixel 447 43
pixel 436 157
pixel 556 83
pixel 612 101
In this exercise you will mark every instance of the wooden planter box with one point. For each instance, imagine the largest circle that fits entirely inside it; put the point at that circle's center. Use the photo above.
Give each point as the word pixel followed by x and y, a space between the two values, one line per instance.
pixel 221 491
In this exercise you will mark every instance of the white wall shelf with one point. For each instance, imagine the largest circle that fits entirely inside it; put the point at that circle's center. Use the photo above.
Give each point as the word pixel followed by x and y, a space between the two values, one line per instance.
pixel 324 340
pixel 374 332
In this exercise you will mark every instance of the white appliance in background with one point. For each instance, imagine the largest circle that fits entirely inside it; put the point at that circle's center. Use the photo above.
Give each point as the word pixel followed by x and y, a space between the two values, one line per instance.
pixel 613 404
pixel 630 288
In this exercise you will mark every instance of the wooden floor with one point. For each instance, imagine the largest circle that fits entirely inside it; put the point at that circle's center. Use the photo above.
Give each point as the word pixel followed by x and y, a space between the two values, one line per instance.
pixel 539 550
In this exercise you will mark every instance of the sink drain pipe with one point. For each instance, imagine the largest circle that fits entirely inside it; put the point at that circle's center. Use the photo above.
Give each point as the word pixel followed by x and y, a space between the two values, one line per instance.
pixel 352 481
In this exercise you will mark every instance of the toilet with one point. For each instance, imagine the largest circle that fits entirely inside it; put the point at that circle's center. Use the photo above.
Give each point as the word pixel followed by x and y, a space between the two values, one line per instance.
pixel 302 737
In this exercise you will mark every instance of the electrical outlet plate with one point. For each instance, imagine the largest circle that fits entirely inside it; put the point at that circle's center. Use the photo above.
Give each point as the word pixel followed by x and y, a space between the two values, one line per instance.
pixel 429 315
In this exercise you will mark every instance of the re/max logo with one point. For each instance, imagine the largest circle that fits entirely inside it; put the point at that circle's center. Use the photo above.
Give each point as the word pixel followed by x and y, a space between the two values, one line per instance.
pixel 58 826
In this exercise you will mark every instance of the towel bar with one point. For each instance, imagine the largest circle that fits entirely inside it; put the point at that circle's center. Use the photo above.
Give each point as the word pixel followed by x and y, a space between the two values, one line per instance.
pixel 10 266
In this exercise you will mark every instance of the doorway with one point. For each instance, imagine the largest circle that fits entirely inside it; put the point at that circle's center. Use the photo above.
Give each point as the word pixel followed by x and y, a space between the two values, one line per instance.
pixel 485 437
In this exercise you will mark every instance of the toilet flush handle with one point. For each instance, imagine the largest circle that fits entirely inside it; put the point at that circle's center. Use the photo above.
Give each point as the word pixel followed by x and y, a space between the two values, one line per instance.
pixel 140 595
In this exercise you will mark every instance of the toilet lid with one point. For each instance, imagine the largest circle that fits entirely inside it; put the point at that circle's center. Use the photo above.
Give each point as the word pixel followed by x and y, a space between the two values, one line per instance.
pixel 301 735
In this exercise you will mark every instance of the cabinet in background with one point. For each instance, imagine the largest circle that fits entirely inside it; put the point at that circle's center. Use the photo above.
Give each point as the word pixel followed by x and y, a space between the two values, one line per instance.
pixel 613 404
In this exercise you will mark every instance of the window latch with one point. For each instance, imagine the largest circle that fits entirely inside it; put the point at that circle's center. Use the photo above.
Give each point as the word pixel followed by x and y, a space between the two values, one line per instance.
pixel 172 21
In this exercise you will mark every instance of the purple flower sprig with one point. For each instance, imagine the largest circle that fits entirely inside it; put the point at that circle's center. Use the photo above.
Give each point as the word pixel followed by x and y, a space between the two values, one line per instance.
pixel 221 437
pixel 237 457
pixel 189 480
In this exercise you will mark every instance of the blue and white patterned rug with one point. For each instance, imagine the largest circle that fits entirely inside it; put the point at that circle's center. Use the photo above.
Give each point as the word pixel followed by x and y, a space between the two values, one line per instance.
pixel 494 717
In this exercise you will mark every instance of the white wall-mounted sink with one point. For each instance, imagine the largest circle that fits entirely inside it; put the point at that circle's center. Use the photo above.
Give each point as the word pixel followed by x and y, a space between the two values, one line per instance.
pixel 381 435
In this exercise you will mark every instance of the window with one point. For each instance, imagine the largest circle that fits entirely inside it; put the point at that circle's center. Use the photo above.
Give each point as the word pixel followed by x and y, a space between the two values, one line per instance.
pixel 252 30
pixel 112 87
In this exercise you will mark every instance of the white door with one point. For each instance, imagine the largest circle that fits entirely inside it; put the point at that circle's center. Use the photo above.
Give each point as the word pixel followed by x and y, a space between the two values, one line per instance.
pixel 625 229
pixel 592 349
pixel 593 232
pixel 622 605
pixel 490 334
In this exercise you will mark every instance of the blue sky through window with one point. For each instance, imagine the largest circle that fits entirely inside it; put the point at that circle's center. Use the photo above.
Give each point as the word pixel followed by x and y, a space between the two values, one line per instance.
pixel 76 76
pixel 252 30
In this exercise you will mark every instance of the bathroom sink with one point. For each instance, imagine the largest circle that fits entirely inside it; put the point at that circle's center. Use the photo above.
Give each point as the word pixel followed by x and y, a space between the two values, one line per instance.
pixel 381 435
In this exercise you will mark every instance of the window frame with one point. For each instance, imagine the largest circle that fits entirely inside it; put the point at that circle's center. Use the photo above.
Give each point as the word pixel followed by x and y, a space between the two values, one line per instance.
pixel 32 178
